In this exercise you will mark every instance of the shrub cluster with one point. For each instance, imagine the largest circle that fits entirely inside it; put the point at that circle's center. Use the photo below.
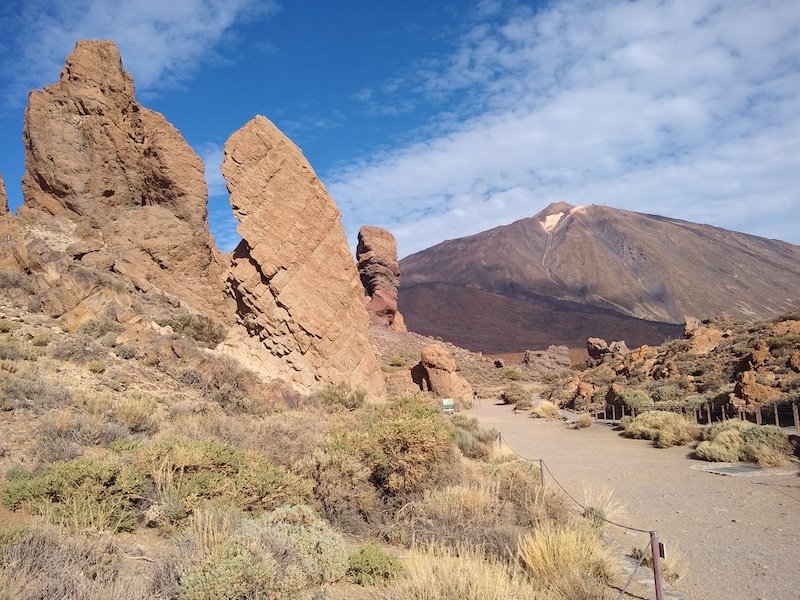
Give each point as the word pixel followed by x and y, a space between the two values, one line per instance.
pixel 736 440
pixel 664 428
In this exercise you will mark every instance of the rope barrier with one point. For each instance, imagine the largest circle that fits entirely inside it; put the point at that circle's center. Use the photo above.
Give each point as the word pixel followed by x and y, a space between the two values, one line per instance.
pixel 563 489
pixel 627 583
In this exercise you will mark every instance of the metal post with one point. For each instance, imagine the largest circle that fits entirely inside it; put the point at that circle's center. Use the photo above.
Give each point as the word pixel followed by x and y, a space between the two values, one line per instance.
pixel 656 548
pixel 724 416
pixel 541 471
pixel 796 416
pixel 708 412
pixel 758 415
pixel 777 418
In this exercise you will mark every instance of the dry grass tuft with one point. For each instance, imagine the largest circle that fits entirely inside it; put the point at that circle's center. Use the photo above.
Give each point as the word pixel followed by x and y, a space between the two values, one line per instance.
pixel 547 410
pixel 602 506
pixel 664 428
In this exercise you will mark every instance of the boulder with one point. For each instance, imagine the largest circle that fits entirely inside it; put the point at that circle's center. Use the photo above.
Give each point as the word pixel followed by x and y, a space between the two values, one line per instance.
pixel 380 275
pixel 555 358
pixel 788 327
pixel 299 301
pixel 794 362
pixel 104 174
pixel 760 355
pixel 748 394
pixel 436 372
pixel 703 337
pixel 600 351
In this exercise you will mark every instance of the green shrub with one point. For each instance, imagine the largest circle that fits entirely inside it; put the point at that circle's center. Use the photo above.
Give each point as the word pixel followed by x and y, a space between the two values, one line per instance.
pixel 636 398
pixel 408 441
pixel 40 340
pixel 340 394
pixel 80 494
pixel 198 327
pixel 125 352
pixel 471 438
pixel 736 440
pixel 97 366
pixel 668 394
pixel 664 428
pixel 372 565
pixel 513 394
pixel 397 361
pixel 97 328
pixel 511 374
pixel 239 572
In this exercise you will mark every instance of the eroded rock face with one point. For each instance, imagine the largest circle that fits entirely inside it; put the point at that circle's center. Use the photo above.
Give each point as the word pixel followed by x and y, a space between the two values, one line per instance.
pixel 3 197
pixel 113 184
pixel 599 350
pixel 436 372
pixel 749 394
pixel 297 291
pixel 703 338
pixel 380 275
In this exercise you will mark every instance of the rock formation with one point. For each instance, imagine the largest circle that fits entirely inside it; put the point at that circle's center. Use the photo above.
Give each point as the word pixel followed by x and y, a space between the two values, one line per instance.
pixel 3 197
pixel 114 185
pixel 599 350
pixel 297 291
pixel 703 338
pixel 380 275
pixel 436 372
pixel 552 360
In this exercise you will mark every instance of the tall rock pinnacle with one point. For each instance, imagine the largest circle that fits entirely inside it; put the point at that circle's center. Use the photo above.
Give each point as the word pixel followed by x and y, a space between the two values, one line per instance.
pixel 293 277
pixel 380 275
pixel 118 181
pixel 3 197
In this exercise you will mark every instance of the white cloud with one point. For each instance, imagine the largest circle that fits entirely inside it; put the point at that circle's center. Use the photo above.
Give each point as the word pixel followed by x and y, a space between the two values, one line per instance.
pixel 686 109
pixel 161 41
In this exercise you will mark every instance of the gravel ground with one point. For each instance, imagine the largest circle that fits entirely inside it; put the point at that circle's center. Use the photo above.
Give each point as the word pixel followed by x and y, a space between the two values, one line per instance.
pixel 739 536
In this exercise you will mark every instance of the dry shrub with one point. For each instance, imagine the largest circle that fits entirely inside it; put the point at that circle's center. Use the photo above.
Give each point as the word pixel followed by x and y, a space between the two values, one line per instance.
pixel 601 507
pixel 438 573
pixel 342 489
pixel 226 382
pixel 31 389
pixel 664 428
pixel 514 393
pixel 673 567
pixel 556 553
pixel 198 327
pixel 585 421
pixel 62 432
pixel 138 413
pixel 290 437
pixel 44 563
pixel 471 438
pixel 736 440
pixel 547 410
pixel 339 395
pixel 78 348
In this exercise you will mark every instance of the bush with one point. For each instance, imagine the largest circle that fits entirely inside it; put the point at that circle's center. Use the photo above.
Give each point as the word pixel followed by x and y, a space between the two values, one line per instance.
pixel 437 573
pixel 736 440
pixel 78 348
pixel 32 390
pixel 664 428
pixel 97 366
pixel 555 553
pixel 636 399
pixel 408 443
pixel 199 328
pixel 225 382
pixel 372 565
pixel 80 494
pixel 511 374
pixel 547 410
pixel 340 394
pixel 471 439
pixel 585 421
pixel 513 394
pixel 125 352
pixel 397 361
pixel 97 328
pixel 138 414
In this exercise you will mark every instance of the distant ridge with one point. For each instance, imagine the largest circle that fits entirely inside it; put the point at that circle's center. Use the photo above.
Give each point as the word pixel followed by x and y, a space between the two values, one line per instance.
pixel 571 272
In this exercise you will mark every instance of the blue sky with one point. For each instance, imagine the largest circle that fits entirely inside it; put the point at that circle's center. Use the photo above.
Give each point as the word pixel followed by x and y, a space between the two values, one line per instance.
pixel 441 119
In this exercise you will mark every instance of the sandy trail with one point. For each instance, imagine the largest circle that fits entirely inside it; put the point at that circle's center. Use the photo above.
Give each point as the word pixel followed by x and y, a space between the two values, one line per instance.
pixel 739 536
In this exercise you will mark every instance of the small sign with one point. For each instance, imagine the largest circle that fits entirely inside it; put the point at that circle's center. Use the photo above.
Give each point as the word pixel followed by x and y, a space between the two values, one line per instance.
pixel 662 552
pixel 448 405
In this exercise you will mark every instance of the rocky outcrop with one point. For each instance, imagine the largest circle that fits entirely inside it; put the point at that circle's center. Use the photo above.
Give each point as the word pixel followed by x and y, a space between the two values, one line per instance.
pixel 436 372
pixel 552 360
pixel 749 394
pixel 115 186
pixel 600 351
pixel 380 275
pixel 298 296
pixel 703 338
pixel 3 198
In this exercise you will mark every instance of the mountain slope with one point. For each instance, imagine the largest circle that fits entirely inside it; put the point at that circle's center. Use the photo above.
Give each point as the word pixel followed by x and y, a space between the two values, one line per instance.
pixel 571 272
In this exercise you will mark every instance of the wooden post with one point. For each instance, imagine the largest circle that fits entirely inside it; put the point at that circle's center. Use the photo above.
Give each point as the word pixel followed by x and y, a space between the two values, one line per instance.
pixel 796 415
pixel 758 415
pixel 656 548
pixel 708 413
pixel 724 416
pixel 541 471
pixel 777 418
pixel 613 412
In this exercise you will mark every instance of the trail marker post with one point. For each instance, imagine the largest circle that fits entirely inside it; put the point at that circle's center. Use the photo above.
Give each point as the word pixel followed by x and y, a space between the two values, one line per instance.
pixel 657 550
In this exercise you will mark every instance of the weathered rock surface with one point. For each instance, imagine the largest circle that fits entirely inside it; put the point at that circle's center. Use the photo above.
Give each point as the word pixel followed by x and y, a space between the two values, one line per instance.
pixel 298 297
pixel 380 275
pixel 3 197
pixel 115 185
pixel 599 350
pixel 436 372
pixel 552 360
pixel 749 394
pixel 703 338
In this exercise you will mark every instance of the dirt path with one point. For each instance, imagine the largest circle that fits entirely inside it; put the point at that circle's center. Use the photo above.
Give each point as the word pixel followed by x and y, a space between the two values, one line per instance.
pixel 739 536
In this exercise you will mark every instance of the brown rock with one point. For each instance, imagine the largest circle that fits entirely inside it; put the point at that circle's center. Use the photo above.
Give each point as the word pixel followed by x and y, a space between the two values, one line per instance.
pixel 555 358
pixel 600 351
pixel 104 173
pixel 380 275
pixel 296 286
pixel 794 361
pixel 3 197
pixel 786 328
pixel 703 339
pixel 748 393
pixel 760 355
pixel 436 373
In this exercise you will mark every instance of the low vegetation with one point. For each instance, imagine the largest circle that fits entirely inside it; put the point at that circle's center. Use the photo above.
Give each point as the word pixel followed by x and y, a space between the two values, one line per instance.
pixel 664 428
pixel 736 440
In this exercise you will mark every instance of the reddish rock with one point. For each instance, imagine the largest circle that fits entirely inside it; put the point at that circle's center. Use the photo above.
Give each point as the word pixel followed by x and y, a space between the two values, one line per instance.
pixel 794 361
pixel 298 296
pixel 760 355
pixel 380 275
pixel 787 327
pixel 436 373
pixel 600 351
pixel 104 174
pixel 703 338
pixel 3 198
pixel 748 393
